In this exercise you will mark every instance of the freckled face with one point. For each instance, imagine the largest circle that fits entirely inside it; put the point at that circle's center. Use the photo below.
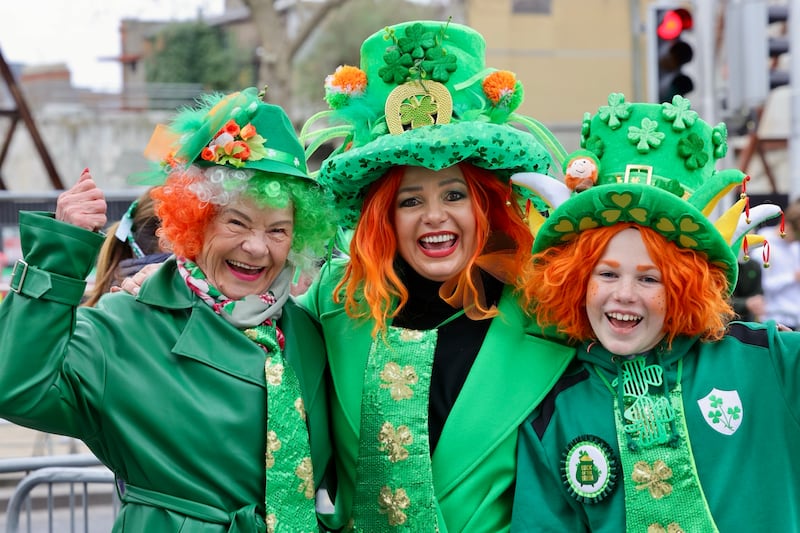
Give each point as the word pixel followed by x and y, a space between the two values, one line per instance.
pixel 626 299
pixel 435 222
pixel 246 247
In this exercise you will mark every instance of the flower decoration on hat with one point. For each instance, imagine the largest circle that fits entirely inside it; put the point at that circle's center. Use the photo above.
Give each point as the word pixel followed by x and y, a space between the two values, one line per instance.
pixel 226 134
pixel 233 145
pixel 423 96
pixel 503 89
pixel 656 167
pixel 345 83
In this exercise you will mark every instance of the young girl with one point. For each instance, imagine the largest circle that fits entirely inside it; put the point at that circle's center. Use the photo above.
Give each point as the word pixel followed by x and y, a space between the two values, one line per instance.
pixel 669 414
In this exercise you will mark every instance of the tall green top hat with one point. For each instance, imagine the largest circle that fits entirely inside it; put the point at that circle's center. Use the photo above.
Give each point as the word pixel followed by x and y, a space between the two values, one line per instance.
pixel 238 130
pixel 653 165
pixel 423 97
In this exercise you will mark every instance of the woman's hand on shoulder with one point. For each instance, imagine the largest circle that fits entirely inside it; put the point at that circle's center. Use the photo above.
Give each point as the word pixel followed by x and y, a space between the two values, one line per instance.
pixel 83 205
pixel 132 284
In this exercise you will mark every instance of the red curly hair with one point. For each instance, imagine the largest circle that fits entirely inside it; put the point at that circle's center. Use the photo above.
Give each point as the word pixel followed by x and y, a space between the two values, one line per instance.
pixel 557 281
pixel 370 284
pixel 184 218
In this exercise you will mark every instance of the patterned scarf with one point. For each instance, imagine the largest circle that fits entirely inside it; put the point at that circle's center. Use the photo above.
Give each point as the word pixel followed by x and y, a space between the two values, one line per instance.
pixel 290 480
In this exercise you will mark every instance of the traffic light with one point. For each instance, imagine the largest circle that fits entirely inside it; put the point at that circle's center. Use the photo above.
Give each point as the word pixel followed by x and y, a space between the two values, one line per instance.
pixel 672 51
pixel 777 44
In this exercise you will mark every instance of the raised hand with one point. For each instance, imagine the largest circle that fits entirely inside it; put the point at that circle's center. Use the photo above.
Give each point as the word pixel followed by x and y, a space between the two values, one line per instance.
pixel 83 205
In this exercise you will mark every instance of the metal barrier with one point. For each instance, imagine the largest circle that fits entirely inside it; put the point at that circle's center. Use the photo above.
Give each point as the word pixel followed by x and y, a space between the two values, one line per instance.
pixel 67 479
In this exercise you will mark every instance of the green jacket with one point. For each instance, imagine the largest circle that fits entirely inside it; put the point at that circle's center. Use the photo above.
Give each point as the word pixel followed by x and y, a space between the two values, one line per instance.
pixel 166 393
pixel 741 399
pixel 475 460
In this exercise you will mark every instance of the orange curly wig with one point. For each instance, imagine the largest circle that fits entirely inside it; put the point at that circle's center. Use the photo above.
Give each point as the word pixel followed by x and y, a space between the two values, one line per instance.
pixel 557 280
pixel 184 219
pixel 370 285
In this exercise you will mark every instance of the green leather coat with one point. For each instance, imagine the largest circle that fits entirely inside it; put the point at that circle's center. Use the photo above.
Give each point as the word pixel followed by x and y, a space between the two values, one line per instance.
pixel 474 465
pixel 166 393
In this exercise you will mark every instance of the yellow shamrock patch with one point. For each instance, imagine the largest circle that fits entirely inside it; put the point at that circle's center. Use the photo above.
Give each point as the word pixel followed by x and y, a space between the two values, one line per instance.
pixel 639 214
pixel 611 215
pixel 587 223
pixel 564 226
pixel 665 225
pixel 689 226
pixel 622 200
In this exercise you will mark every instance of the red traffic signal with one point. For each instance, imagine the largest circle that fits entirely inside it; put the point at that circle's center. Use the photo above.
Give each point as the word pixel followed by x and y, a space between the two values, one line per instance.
pixel 673 49
pixel 673 23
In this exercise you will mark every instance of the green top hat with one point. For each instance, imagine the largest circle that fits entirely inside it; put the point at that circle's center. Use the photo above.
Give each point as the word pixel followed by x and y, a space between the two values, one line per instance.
pixel 423 97
pixel 656 168
pixel 238 130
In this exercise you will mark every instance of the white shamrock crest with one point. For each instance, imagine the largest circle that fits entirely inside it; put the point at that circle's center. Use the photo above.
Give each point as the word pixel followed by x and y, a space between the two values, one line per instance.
pixel 722 410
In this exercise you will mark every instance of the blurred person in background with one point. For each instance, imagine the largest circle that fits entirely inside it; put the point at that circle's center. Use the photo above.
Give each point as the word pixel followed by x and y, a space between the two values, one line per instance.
pixel 130 244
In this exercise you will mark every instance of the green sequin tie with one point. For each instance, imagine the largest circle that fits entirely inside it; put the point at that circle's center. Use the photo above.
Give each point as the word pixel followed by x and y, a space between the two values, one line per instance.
pixel 394 483
pixel 662 489
pixel 290 481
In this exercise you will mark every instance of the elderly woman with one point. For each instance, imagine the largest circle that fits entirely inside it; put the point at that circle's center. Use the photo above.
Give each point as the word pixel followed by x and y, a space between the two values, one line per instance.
pixel 205 392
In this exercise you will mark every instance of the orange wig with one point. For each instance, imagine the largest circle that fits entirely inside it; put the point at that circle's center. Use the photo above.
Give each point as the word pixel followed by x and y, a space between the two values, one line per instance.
pixel 370 283
pixel 558 278
pixel 184 218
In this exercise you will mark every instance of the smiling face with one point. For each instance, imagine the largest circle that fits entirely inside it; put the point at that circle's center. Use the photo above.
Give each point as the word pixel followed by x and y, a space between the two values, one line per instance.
pixel 625 298
pixel 435 222
pixel 245 248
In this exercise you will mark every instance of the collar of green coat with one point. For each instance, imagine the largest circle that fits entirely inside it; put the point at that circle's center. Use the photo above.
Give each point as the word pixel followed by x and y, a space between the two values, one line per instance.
pixel 165 288
pixel 513 371
pixel 204 328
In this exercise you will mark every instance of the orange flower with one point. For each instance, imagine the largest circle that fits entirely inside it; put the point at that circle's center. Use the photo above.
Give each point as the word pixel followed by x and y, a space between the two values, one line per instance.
pixel 231 127
pixel 347 79
pixel 240 150
pixel 208 154
pixel 247 132
pixel 499 84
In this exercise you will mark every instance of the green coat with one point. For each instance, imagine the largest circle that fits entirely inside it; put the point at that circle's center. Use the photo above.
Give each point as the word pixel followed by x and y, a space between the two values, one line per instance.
pixel 475 460
pixel 166 393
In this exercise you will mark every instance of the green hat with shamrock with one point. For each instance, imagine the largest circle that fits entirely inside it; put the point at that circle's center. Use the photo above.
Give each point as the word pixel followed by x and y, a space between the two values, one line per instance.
pixel 236 130
pixel 656 167
pixel 422 96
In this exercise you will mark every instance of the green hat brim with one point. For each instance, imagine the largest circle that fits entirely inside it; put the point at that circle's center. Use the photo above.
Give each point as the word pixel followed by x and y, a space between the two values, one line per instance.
pixel 502 149
pixel 645 205
pixel 267 165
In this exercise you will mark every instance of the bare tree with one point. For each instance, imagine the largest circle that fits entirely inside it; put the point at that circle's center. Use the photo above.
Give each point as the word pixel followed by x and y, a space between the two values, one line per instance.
pixel 279 48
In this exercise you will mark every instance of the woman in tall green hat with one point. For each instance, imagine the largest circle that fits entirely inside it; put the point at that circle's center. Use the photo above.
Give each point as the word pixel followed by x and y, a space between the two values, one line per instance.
pixel 205 392
pixel 429 350
pixel 671 413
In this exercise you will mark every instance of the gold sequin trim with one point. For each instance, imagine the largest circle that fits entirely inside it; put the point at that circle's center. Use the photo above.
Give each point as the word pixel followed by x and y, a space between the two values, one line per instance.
pixel 272 522
pixel 274 372
pixel 306 474
pixel 392 504
pixel 300 407
pixel 273 445
pixel 653 478
pixel 399 380
pixel 394 441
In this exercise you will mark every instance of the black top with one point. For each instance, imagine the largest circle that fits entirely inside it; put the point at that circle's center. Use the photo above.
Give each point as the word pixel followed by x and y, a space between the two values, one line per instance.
pixel 458 341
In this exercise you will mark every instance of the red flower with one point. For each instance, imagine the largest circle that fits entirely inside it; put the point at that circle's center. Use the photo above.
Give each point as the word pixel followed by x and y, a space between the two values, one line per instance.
pixel 240 150
pixel 231 127
pixel 208 154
